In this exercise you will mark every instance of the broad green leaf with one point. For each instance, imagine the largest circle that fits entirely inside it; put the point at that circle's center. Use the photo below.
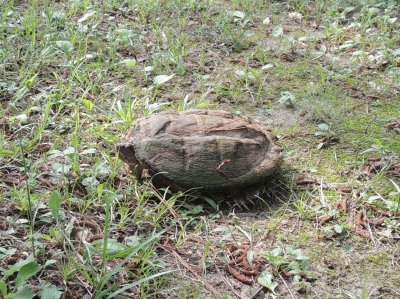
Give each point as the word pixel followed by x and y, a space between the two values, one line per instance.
pixel 55 204
pixel 50 292
pixel 321 133
pixel 26 272
pixel 6 252
pixel 65 45
pixel 149 68
pixel 237 13
pixel 267 66
pixel 87 16
pixel 23 293
pixel 287 99
pixel 276 251
pixel 16 267
pixel 61 168
pixel 181 69
pixel 161 79
pixel 323 127
pixel 90 182
pixel 87 103
pixel 3 288
pixel 374 11
pixel 88 151
pixel 22 118
pixel 50 262
pixel 113 246
pixel 4 152
pixel 69 151
pixel 276 261
pixel 133 240
pixel 266 279
pixel 21 221
pixel 338 228
pixel 266 21
pixel 240 73
pixel 29 82
pixel 278 31
pixel 212 203
pixel 99 190
pixel 129 62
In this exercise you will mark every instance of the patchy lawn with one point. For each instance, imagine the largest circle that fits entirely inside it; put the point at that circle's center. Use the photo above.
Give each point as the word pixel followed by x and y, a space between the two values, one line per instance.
pixel 324 76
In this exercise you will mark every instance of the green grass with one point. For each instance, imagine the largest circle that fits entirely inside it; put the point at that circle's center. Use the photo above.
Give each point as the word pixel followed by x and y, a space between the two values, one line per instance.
pixel 75 75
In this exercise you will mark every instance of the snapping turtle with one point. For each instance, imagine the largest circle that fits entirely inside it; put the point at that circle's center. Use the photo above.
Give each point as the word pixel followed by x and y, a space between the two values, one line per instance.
pixel 212 150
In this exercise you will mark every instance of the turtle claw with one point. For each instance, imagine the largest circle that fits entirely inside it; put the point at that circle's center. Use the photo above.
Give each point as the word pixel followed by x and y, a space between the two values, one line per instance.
pixel 245 198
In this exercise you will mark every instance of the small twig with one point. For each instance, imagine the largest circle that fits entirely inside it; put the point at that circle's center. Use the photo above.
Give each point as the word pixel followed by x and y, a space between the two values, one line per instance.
pixel 46 182
pixel 90 224
pixel 220 168
pixel 171 210
pixel 190 269
pixel 370 233
pixel 369 124
pixel 286 285
pixel 255 295
pixel 231 232
pixel 230 286
pixel 294 225
pixel 86 286
pixel 28 195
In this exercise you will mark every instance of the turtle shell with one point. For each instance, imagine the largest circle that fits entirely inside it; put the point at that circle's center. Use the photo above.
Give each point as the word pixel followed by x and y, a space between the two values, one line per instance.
pixel 214 150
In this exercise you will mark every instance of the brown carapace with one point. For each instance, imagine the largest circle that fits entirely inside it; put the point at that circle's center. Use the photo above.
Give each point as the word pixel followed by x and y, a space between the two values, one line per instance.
pixel 212 150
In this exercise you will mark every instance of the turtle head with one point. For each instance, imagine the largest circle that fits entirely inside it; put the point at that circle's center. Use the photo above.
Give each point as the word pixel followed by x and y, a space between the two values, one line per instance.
pixel 126 153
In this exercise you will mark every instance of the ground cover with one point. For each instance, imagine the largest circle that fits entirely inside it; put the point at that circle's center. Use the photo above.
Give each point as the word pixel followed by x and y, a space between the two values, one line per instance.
pixel 324 76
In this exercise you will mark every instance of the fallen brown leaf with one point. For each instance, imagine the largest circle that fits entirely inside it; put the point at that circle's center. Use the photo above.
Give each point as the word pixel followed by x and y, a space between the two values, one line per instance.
pixel 384 213
pixel 378 222
pixel 344 190
pixel 394 169
pixel 326 219
pixel 236 274
pixel 305 180
pixel 362 232
pixel 344 204
pixel 236 261
pixel 95 237
pixel 373 166
pixel 246 264
pixel 360 218
pixel 393 126
pixel 4 225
